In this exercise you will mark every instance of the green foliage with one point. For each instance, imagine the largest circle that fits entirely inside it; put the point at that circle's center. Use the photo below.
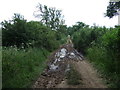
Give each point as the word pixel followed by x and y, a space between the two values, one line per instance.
pixel 42 36
pixel 78 26
pixel 106 64
pixel 85 37
pixel 19 32
pixel 112 9
pixel 102 46
pixel 21 67
pixel 14 32
pixel 73 77
pixel 26 46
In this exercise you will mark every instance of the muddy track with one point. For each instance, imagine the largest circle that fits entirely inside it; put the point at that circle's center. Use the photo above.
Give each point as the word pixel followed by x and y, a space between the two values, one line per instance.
pixel 89 75
pixel 58 64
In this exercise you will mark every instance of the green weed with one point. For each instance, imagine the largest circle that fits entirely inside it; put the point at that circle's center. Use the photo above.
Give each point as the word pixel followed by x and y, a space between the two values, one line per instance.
pixel 21 67
pixel 73 77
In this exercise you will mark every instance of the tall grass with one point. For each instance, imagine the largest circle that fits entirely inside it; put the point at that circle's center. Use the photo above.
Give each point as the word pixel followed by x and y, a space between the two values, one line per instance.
pixel 106 64
pixel 102 47
pixel 105 57
pixel 21 67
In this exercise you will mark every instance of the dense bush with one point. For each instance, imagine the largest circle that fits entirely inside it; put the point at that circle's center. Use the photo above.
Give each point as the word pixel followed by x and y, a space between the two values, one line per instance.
pixel 22 67
pixel 26 46
pixel 101 46
pixel 105 57
pixel 86 37
pixel 14 32
pixel 42 36
pixel 19 32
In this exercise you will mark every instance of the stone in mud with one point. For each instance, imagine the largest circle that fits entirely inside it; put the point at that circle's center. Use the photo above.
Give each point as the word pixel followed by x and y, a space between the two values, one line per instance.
pixel 63 52
pixel 53 67
pixel 72 54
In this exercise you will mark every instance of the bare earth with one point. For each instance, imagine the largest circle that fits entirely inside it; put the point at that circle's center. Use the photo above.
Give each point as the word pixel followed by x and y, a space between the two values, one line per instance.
pixel 90 77
pixel 54 75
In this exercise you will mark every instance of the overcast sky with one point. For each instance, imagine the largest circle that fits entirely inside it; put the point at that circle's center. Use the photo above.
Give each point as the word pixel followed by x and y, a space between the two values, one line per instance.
pixel 87 11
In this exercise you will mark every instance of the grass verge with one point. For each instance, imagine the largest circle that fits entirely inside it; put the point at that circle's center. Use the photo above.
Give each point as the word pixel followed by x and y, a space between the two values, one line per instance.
pixel 107 65
pixel 73 77
pixel 21 67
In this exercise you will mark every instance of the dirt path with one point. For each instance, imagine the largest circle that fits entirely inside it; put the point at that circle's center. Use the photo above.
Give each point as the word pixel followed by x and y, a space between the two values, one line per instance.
pixel 54 75
pixel 90 77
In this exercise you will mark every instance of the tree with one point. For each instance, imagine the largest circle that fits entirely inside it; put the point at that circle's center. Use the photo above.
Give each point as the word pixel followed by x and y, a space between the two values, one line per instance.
pixel 112 9
pixel 19 32
pixel 14 32
pixel 51 17
pixel 42 36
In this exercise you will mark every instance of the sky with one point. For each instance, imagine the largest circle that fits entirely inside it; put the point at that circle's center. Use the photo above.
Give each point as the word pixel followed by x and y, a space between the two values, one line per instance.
pixel 88 11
